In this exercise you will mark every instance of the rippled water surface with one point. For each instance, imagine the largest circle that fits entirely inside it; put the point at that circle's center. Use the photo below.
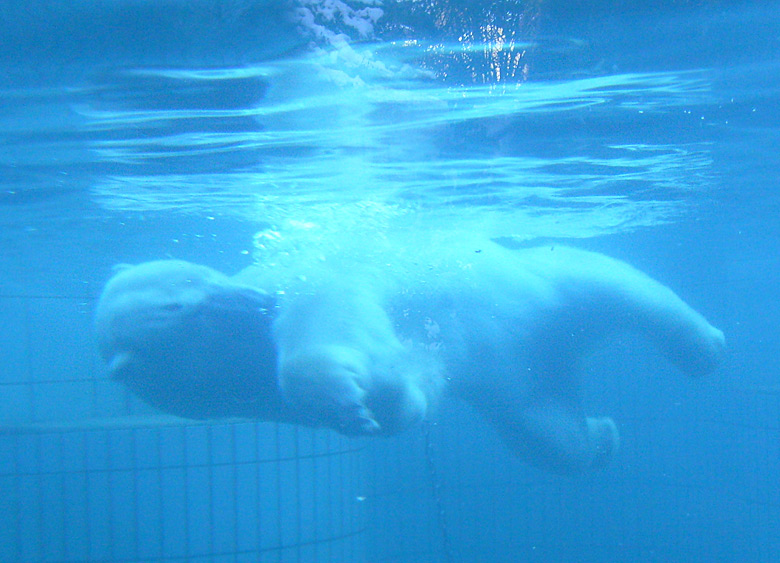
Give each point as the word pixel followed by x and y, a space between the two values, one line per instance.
pixel 522 120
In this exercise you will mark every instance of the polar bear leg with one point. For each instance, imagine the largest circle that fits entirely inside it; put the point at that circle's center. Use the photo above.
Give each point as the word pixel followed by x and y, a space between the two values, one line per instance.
pixel 601 295
pixel 560 304
pixel 342 365
pixel 555 437
pixel 326 385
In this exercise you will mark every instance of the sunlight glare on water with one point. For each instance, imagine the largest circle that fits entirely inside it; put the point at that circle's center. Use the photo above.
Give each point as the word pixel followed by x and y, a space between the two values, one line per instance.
pixel 377 130
pixel 450 116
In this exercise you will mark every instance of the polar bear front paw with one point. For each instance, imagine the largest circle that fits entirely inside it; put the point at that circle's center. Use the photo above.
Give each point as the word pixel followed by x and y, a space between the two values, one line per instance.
pixel 357 420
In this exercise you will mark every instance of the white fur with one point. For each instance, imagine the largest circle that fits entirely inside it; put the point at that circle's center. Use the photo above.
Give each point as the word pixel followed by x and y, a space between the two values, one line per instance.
pixel 368 350
pixel 518 323
pixel 341 363
pixel 189 340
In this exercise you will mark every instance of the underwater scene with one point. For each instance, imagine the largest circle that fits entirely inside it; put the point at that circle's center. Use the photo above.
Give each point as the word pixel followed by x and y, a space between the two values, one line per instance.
pixel 415 281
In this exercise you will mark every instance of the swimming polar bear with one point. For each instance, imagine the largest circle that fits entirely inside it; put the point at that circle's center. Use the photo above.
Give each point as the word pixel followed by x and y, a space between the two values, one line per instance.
pixel 367 351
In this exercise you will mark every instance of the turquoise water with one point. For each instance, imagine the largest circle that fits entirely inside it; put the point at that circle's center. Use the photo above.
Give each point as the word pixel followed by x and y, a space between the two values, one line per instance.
pixel 227 132
pixel 549 127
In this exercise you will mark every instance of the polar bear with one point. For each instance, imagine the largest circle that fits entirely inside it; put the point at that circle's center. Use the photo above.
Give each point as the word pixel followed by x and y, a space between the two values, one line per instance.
pixel 366 350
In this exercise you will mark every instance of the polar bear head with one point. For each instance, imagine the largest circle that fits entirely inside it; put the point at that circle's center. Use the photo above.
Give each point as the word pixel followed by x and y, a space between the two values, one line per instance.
pixel 187 339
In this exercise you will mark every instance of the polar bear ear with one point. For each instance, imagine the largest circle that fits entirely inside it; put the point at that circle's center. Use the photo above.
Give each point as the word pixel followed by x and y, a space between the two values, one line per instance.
pixel 118 268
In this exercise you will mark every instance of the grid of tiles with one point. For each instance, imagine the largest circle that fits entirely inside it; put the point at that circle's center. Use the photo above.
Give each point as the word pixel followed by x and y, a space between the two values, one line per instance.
pixel 237 492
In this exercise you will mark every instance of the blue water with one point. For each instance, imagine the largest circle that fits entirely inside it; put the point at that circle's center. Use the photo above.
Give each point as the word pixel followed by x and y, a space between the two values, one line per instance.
pixel 227 132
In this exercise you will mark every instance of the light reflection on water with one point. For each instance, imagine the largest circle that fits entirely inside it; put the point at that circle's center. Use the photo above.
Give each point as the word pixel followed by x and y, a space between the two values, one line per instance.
pixel 325 134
